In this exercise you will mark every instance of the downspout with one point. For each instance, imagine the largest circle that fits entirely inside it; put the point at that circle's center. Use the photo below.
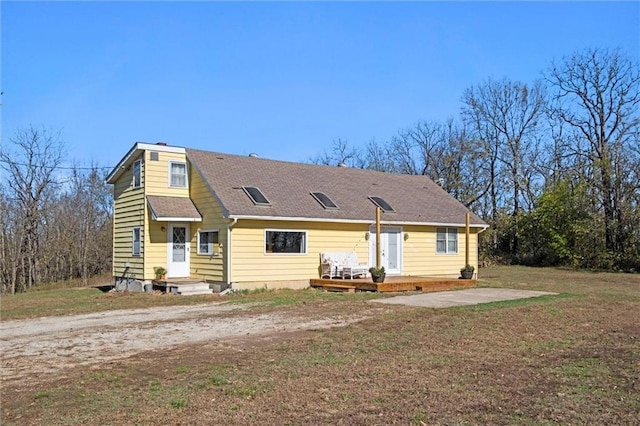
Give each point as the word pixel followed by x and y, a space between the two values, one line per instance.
pixel 467 242
pixel 227 259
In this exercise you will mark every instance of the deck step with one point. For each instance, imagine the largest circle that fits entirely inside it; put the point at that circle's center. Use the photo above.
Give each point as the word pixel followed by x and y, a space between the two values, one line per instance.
pixel 339 287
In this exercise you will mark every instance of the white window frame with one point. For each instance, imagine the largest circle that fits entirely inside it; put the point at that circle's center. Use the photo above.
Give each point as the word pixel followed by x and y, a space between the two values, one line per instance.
pixel 212 252
pixel 186 174
pixel 136 164
pixel 450 235
pixel 137 252
pixel 303 246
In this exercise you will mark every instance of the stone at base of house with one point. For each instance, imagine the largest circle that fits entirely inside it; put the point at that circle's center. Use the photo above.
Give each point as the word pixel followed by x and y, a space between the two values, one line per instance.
pixel 130 285
pixel 218 287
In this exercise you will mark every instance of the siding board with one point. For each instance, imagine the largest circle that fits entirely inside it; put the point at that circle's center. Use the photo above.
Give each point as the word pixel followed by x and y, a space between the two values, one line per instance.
pixel 207 267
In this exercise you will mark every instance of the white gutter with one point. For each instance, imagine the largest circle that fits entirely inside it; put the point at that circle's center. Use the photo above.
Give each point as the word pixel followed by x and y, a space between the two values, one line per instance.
pixel 175 219
pixel 227 258
pixel 384 222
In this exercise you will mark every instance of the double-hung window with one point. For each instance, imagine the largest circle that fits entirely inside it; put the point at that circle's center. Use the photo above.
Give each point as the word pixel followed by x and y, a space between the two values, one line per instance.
pixel 285 242
pixel 137 174
pixel 446 240
pixel 178 174
pixel 136 241
pixel 208 242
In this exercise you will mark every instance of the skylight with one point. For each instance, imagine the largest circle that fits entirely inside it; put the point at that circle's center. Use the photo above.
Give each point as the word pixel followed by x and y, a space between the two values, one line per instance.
pixel 380 202
pixel 325 201
pixel 256 196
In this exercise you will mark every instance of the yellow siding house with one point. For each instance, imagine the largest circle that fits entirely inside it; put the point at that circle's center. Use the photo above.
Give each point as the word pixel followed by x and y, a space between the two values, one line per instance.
pixel 248 222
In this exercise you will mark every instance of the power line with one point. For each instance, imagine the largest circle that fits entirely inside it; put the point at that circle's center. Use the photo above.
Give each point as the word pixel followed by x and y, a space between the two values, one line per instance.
pixel 61 167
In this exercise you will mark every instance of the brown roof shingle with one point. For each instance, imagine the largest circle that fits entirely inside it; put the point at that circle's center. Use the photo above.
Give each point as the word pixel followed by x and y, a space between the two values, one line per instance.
pixel 163 207
pixel 288 187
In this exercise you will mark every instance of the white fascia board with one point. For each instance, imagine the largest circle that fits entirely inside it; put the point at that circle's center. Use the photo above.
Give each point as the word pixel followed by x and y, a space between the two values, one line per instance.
pixel 153 213
pixel 176 219
pixel 133 153
pixel 383 222
pixel 160 148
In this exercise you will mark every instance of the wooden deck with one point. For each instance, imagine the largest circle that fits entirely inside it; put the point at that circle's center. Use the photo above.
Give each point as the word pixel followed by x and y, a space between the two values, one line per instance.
pixel 392 284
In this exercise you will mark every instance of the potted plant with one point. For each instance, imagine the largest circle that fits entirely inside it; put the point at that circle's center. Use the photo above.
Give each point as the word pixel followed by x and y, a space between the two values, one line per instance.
pixel 160 272
pixel 377 274
pixel 466 273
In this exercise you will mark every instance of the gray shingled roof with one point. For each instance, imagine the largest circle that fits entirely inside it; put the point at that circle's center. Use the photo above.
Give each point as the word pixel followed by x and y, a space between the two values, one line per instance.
pixel 164 207
pixel 416 199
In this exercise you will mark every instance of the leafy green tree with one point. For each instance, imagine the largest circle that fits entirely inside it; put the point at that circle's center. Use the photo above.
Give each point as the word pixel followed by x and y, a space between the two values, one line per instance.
pixel 597 95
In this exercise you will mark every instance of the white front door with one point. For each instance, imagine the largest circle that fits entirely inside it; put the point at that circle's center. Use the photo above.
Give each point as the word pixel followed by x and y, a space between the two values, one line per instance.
pixel 178 246
pixel 390 249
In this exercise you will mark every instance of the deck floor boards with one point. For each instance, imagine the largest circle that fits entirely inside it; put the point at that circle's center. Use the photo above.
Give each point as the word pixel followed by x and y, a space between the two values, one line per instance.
pixel 393 284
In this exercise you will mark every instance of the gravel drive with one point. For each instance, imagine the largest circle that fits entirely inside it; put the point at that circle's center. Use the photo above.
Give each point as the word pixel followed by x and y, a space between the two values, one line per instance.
pixel 34 347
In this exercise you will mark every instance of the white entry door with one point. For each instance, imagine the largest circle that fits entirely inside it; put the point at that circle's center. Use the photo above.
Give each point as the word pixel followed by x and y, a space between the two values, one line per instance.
pixel 178 245
pixel 390 249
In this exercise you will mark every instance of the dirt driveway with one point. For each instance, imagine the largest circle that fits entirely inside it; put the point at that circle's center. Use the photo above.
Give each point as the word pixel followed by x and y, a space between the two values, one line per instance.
pixel 37 347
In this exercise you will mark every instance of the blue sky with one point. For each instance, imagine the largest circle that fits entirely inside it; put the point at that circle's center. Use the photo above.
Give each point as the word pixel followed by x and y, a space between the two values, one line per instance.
pixel 280 79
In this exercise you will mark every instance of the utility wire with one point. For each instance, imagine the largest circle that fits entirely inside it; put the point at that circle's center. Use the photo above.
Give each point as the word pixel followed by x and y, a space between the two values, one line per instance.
pixel 60 167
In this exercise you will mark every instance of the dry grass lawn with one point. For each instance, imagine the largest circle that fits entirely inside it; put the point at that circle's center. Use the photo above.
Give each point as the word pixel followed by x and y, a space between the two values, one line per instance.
pixel 567 359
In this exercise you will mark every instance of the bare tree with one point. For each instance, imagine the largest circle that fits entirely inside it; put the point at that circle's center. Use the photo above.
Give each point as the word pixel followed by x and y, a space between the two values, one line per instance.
pixel 30 161
pixel 81 227
pixel 377 157
pixel 597 93
pixel 11 241
pixel 341 153
pixel 505 115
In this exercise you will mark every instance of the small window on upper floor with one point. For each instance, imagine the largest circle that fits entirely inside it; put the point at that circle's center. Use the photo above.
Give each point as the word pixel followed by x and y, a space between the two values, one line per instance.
pixel 177 175
pixel 137 174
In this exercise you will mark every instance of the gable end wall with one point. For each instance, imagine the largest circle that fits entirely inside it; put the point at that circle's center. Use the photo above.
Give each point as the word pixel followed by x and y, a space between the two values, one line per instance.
pixel 128 212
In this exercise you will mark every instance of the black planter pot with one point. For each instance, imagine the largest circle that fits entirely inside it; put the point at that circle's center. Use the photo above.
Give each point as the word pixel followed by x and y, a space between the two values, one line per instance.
pixel 378 278
pixel 466 275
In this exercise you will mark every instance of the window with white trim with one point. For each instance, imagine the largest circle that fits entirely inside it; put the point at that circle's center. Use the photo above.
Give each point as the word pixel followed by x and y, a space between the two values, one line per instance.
pixel 177 174
pixel 136 237
pixel 446 240
pixel 208 242
pixel 137 174
pixel 290 242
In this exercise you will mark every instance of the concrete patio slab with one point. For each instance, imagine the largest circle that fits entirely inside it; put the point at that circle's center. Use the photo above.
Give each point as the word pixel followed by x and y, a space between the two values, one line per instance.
pixel 473 296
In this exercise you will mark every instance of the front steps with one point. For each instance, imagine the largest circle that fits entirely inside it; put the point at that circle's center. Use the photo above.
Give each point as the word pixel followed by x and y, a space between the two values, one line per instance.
pixel 183 286
pixel 188 289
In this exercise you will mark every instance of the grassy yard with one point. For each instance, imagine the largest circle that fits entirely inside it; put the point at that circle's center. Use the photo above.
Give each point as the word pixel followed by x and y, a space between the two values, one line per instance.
pixel 83 300
pixel 567 359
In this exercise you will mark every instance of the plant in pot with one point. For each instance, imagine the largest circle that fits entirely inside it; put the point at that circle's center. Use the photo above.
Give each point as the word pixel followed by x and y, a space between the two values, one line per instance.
pixel 466 273
pixel 377 274
pixel 161 273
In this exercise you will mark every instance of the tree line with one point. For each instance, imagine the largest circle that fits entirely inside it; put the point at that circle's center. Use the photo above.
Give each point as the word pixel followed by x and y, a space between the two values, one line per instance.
pixel 553 165
pixel 56 221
